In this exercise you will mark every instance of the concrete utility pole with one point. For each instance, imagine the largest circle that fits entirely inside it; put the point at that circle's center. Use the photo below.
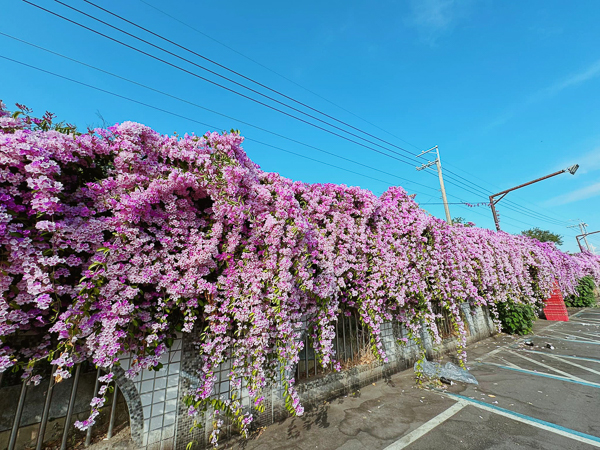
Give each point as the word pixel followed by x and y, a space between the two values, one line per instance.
pixel 493 200
pixel 582 227
pixel 438 164
pixel 585 236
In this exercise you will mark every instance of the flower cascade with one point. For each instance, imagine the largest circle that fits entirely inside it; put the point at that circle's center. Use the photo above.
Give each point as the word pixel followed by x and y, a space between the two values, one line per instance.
pixel 114 241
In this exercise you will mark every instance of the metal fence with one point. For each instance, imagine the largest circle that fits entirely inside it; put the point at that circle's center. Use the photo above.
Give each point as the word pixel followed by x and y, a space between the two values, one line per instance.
pixel 39 399
pixel 444 322
pixel 352 343
pixel 352 346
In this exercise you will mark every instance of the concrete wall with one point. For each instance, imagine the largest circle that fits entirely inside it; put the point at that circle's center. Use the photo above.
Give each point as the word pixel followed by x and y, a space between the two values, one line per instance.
pixel 152 398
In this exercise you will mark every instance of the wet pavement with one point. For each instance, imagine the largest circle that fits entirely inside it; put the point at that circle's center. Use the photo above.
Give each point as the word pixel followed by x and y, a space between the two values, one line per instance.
pixel 540 396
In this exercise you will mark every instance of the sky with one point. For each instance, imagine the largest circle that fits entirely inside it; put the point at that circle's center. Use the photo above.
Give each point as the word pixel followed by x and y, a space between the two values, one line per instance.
pixel 508 91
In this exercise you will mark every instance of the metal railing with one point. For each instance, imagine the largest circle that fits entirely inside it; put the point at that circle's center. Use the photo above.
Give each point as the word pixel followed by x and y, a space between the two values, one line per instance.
pixel 351 345
pixel 69 430
pixel 445 322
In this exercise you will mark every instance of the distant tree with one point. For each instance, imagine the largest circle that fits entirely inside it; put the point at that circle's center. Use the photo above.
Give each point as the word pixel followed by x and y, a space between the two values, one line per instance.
pixel 543 235
pixel 462 221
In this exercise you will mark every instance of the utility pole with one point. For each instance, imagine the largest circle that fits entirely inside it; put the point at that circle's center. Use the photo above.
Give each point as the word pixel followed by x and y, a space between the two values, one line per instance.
pixel 586 242
pixel 582 227
pixel 493 200
pixel 438 164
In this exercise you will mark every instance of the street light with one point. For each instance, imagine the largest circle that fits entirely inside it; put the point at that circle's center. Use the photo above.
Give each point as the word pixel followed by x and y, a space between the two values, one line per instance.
pixel 571 169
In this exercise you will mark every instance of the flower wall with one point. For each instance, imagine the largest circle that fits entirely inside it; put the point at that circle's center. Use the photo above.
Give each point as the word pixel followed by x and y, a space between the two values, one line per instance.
pixel 114 240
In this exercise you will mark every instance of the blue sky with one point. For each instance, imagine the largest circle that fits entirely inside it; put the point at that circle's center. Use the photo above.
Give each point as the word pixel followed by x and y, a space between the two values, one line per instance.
pixel 508 90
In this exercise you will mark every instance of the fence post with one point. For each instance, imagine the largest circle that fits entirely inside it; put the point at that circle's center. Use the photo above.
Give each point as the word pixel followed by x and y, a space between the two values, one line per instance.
pixel 44 422
pixel 88 434
pixel 113 410
pixel 63 445
pixel 18 414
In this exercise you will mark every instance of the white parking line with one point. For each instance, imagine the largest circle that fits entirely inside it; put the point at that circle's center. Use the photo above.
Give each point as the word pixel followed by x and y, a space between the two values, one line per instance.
pixel 566 356
pixel 585 321
pixel 544 375
pixel 411 437
pixel 576 336
pixel 597 336
pixel 573 364
pixel 566 374
pixel 492 353
pixel 548 426
pixel 568 340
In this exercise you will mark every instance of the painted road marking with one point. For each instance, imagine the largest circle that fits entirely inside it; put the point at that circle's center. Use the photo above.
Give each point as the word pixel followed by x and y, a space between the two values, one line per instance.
pixel 588 327
pixel 576 336
pixel 596 335
pixel 411 437
pixel 574 364
pixel 569 340
pixel 508 363
pixel 492 353
pixel 565 356
pixel 586 321
pixel 593 333
pixel 545 375
pixel 566 374
pixel 538 423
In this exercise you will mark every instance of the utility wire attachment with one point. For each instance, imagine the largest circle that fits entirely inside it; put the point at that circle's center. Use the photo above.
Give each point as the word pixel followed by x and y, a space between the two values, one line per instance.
pixel 437 162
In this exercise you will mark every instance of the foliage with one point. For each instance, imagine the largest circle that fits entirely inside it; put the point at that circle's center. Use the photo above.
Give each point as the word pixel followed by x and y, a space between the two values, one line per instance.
pixel 516 317
pixel 114 241
pixel 543 235
pixel 462 221
pixel 584 295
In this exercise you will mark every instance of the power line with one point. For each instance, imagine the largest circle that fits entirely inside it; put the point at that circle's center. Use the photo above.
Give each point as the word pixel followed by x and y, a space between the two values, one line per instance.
pixel 197 121
pixel 486 193
pixel 186 118
pixel 218 75
pixel 275 72
pixel 404 161
pixel 516 205
pixel 216 112
pixel 450 203
pixel 233 71
pixel 232 90
pixel 464 204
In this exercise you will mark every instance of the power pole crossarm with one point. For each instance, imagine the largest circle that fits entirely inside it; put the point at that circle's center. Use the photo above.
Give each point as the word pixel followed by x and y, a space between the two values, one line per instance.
pixel 438 164
pixel 584 234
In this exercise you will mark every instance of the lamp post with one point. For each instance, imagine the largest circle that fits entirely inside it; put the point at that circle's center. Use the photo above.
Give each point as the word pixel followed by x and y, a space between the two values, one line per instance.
pixel 493 200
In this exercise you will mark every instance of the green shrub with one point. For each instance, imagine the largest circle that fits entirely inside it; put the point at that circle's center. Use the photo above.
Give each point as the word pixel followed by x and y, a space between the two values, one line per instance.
pixel 585 294
pixel 516 318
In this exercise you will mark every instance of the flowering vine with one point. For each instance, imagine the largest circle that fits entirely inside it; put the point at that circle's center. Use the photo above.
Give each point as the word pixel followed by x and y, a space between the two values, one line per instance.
pixel 115 240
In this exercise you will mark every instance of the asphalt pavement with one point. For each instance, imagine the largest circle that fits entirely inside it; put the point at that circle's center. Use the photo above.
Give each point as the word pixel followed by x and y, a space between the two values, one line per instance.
pixel 535 392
